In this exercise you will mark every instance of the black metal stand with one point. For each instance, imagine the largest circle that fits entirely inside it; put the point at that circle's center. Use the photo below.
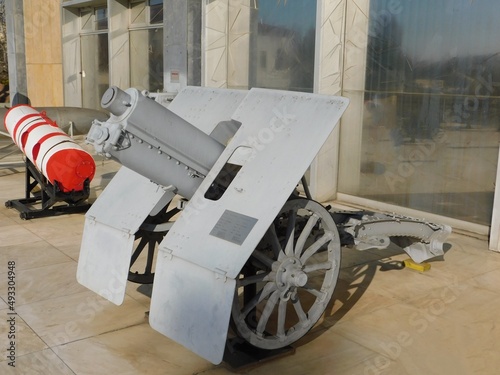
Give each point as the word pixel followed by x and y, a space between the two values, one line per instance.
pixel 44 202
pixel 240 355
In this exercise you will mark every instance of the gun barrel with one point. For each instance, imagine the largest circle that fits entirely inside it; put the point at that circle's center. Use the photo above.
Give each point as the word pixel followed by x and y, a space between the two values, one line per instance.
pixel 153 141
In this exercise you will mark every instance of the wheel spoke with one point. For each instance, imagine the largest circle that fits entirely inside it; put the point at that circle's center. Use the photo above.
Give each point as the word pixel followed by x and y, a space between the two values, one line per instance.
pixel 263 293
pixel 151 253
pixel 318 267
pixel 311 222
pixel 311 250
pixel 253 279
pixel 266 313
pixel 150 234
pixel 272 237
pixel 299 310
pixel 260 256
pixel 317 293
pixel 273 278
pixel 290 234
pixel 280 332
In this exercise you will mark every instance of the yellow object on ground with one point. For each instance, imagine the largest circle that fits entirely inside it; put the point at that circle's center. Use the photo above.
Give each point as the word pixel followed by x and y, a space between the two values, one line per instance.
pixel 422 267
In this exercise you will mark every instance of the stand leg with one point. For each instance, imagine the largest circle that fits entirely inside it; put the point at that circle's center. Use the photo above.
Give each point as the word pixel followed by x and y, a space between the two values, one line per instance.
pixel 47 198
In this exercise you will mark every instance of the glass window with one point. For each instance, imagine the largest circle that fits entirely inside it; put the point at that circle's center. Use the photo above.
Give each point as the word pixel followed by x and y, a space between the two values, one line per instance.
pixel 146 45
pixel 194 42
pixel 146 59
pixel 101 16
pixel 94 55
pixel 431 107
pixel 282 45
pixel 155 11
pixel 95 69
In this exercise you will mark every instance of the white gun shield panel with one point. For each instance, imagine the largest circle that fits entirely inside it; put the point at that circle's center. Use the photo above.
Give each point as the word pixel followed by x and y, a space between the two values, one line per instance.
pixel 108 235
pixel 117 214
pixel 205 107
pixel 281 132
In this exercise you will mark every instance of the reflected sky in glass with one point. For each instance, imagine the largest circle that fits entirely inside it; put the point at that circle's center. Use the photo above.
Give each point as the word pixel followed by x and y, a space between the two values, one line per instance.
pixel 432 30
pixel 298 15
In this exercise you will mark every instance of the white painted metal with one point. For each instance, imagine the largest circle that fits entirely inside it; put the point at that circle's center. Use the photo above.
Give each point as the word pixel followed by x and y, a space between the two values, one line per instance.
pixel 190 306
pixel 119 211
pixel 35 137
pixel 494 243
pixel 108 236
pixel 299 274
pixel 285 131
pixel 205 107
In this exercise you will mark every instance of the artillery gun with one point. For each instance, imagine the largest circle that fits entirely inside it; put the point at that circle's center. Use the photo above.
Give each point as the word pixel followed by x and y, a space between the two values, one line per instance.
pixel 246 246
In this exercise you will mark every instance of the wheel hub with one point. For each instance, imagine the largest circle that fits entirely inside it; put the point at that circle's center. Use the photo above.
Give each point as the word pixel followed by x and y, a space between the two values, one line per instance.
pixel 290 275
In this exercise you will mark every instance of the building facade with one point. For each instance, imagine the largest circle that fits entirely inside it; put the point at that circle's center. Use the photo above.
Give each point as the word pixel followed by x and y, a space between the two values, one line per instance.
pixel 420 135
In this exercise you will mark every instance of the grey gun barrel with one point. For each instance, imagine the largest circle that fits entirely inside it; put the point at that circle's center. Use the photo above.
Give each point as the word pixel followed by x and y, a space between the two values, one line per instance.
pixel 153 141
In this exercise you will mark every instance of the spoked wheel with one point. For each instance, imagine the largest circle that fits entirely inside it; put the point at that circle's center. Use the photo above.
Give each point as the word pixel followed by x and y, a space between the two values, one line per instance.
pixel 147 239
pixel 288 281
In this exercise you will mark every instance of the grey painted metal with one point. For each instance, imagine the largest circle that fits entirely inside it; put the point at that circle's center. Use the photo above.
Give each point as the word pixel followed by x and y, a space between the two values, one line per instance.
pixel 205 249
pixel 154 141
pixel 299 276
pixel 280 134
pixel 107 242
pixel 374 232
pixel 16 53
pixel 272 137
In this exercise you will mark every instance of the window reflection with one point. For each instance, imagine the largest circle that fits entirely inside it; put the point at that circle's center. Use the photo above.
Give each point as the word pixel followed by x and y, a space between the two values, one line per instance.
pixel 146 45
pixel 194 42
pixel 94 55
pixel 156 11
pixel 432 102
pixel 95 65
pixel 282 45
pixel 101 15
pixel 146 59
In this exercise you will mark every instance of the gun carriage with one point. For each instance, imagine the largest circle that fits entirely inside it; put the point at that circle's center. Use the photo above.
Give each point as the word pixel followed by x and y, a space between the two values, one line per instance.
pixel 246 246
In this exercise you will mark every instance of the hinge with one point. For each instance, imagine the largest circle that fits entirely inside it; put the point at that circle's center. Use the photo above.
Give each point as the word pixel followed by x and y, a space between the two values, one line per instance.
pixel 220 275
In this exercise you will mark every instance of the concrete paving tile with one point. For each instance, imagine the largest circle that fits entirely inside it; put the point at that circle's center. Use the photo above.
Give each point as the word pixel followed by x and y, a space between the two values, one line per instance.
pixel 132 350
pixel 77 316
pixel 43 362
pixel 14 330
pixel 31 255
pixel 44 283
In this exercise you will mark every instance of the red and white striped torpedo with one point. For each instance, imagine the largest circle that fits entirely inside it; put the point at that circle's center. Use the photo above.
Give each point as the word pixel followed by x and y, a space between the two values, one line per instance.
pixel 49 148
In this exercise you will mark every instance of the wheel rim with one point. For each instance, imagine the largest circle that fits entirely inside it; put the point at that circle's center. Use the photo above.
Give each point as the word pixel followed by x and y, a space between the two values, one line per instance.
pixel 288 281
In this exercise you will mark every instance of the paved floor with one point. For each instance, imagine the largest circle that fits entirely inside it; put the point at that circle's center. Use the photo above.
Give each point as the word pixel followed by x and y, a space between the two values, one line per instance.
pixel 380 321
